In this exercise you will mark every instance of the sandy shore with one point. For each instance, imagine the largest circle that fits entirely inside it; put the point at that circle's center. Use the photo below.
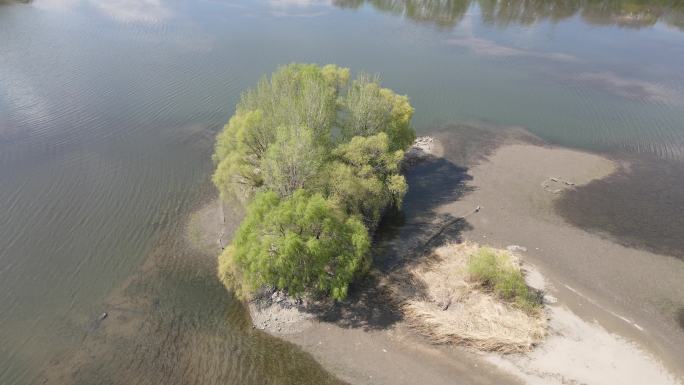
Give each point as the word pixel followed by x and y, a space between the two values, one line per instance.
pixel 621 289
pixel 599 333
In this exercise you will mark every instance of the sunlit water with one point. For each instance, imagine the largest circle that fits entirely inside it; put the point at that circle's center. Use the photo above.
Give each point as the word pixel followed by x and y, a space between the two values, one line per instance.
pixel 108 110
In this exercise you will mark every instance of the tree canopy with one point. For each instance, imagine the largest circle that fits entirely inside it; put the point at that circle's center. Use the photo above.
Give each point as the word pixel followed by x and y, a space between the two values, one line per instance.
pixel 316 158
pixel 298 243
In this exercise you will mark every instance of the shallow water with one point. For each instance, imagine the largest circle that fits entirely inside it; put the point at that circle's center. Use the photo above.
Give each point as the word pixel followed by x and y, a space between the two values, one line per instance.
pixel 108 111
pixel 640 206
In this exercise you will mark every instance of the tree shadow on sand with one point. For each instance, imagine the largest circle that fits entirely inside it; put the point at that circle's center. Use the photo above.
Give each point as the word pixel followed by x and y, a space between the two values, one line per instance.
pixel 404 238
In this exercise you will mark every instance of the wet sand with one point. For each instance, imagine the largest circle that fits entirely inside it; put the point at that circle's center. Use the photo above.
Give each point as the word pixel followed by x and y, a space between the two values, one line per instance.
pixel 395 356
pixel 639 206
pixel 627 291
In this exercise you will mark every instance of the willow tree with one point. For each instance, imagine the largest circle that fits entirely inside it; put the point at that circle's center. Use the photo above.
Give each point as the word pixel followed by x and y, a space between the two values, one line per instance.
pixel 315 156
pixel 297 98
pixel 363 177
pixel 299 244
pixel 368 109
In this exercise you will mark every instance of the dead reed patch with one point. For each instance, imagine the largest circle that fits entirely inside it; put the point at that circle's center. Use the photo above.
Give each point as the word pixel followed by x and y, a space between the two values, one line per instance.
pixel 441 299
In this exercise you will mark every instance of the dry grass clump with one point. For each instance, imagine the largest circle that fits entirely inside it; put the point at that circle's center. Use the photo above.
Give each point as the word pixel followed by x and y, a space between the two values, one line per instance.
pixel 462 297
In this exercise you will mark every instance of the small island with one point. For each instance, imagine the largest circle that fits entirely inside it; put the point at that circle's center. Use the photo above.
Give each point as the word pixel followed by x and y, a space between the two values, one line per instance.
pixel 317 158
pixel 317 162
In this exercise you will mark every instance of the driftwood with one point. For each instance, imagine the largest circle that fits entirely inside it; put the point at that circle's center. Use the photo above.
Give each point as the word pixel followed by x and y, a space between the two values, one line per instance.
pixel 223 221
pixel 446 225
pixel 546 184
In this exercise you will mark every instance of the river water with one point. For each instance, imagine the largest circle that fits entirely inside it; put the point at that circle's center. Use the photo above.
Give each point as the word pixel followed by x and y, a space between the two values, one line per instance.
pixel 108 109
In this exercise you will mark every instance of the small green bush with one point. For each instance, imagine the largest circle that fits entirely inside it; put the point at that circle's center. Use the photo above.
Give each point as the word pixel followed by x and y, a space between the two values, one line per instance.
pixel 497 272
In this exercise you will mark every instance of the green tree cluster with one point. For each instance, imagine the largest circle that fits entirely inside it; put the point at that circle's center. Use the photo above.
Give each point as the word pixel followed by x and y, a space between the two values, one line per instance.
pixel 315 156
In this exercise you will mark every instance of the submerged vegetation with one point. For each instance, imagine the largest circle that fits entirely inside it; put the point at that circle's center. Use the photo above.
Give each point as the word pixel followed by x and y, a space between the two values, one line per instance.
pixel 315 156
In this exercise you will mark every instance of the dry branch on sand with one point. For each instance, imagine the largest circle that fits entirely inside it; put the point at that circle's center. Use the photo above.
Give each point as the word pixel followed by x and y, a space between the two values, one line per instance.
pixel 442 302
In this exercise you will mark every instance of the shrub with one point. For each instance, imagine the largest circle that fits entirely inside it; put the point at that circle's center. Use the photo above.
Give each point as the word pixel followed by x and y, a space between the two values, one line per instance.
pixel 497 272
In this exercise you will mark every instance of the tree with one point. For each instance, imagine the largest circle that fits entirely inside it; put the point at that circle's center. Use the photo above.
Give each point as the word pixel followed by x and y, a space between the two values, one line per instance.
pixel 238 153
pixel 298 95
pixel 322 105
pixel 300 243
pixel 291 161
pixel 318 158
pixel 368 109
pixel 364 178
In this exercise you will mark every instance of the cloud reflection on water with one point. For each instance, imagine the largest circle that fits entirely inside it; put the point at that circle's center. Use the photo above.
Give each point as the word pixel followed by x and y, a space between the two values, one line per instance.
pixel 634 89
pixel 134 11
pixel 489 48
pixel 298 8
pixel 125 11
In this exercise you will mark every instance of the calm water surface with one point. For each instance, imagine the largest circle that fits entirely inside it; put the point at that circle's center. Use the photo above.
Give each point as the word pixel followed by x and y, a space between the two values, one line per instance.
pixel 108 109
